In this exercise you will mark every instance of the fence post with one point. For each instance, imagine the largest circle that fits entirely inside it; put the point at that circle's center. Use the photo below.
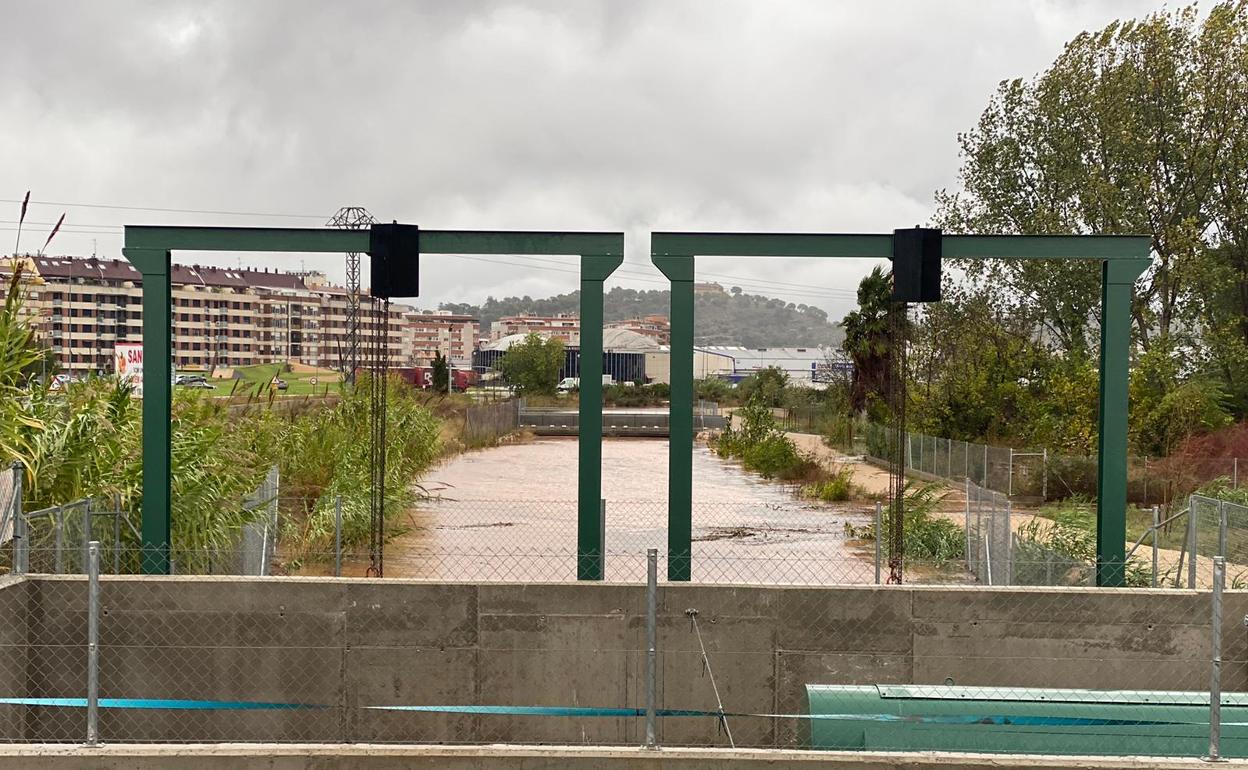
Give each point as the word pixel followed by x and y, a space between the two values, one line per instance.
pixel 1009 546
pixel 86 532
pixel 1156 532
pixel 1191 544
pixel 602 543
pixel 1222 528
pixel 21 543
pixel 338 536
pixel 984 481
pixel 116 533
pixel 1044 476
pixel 58 522
pixel 879 519
pixel 93 643
pixel 1215 677
pixel 652 673
pixel 1234 473
pixel 968 524
pixel 1009 485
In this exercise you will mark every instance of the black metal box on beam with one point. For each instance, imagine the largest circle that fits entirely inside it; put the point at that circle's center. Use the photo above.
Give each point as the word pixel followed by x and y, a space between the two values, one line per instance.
pixel 394 250
pixel 916 265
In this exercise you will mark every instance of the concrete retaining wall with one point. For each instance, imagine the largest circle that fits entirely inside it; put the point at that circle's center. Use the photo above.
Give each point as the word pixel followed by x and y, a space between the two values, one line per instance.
pixel 348 643
pixel 278 757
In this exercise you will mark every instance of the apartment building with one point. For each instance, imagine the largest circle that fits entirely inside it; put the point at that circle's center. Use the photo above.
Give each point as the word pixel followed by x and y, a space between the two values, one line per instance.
pixel 222 317
pixel 656 327
pixel 430 332
pixel 564 326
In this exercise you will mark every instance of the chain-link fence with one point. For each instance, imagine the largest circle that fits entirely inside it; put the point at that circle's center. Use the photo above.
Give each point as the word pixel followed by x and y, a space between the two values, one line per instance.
pixel 53 540
pixel 1037 475
pixel 945 668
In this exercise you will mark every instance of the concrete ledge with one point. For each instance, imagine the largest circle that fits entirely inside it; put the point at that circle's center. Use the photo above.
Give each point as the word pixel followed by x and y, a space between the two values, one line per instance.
pixel 257 756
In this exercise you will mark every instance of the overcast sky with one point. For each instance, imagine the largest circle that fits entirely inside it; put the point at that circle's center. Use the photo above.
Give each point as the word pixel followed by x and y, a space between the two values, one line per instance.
pixel 713 115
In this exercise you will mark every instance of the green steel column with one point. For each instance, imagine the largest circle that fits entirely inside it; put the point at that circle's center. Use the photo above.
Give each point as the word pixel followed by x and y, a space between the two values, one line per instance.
pixel 589 557
pixel 1117 279
pixel 157 397
pixel 679 270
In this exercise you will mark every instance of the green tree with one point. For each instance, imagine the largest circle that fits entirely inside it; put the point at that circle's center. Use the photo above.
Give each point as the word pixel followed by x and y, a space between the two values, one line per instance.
pixel 440 371
pixel 532 366
pixel 1124 133
pixel 766 387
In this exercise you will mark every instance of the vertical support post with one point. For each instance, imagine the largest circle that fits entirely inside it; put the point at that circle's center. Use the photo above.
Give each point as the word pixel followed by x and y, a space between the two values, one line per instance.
pixel 1222 528
pixel 879 536
pixel 1215 677
pixel 1117 279
pixel 21 541
pixel 116 534
pixel 1156 532
pixel 86 533
pixel 983 482
pixel 1009 545
pixel 93 643
pixel 968 523
pixel 589 536
pixel 679 270
pixel 1191 545
pixel 153 264
pixel 1009 487
pixel 58 525
pixel 1234 473
pixel 652 671
pixel 1044 476
pixel 338 536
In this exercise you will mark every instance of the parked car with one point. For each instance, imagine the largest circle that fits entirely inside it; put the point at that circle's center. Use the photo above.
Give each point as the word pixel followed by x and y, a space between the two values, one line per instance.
pixel 279 383
pixel 200 384
pixel 190 379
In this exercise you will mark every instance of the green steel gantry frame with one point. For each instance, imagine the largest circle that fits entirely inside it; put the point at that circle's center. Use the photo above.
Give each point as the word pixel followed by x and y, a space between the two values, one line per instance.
pixel 149 249
pixel 1123 259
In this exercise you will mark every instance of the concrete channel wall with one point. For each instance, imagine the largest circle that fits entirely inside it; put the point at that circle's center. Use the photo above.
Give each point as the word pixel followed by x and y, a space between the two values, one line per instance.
pixel 343 644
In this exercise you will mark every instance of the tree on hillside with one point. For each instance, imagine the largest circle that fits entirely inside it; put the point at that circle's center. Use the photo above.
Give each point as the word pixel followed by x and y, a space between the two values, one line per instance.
pixel 532 366
pixel 1133 129
pixel 868 342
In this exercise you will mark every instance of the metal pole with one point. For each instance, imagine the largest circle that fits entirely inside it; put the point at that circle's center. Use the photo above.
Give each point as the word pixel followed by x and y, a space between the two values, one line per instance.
pixel 879 519
pixel 984 480
pixel 968 523
pixel 21 543
pixel 116 534
pixel 1009 545
pixel 58 522
pixel 1235 473
pixel 652 612
pixel 1191 544
pixel 338 536
pixel 1222 528
pixel 1156 532
pixel 1215 678
pixel 1044 476
pixel 93 643
pixel 86 533
pixel 1009 486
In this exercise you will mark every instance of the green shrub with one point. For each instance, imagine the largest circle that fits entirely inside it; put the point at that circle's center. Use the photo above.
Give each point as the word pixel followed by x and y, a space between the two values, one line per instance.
pixel 837 488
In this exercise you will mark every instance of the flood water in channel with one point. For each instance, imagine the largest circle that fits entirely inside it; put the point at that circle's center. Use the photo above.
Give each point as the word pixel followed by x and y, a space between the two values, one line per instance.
pixel 510 513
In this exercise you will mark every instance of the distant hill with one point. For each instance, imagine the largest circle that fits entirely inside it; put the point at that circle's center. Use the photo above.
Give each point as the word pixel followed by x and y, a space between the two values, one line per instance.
pixel 720 318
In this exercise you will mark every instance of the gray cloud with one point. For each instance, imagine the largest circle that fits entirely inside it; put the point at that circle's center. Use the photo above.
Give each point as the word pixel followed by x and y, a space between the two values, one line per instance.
pixel 733 115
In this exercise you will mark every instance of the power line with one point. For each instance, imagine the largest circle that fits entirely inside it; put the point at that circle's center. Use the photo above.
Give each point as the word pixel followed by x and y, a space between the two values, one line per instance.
pixel 169 211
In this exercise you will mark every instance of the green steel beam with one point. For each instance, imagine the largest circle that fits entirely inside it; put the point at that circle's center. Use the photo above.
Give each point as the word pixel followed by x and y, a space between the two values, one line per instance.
pixel 679 270
pixel 1117 282
pixel 1124 258
pixel 280 239
pixel 153 264
pixel 590 556
pixel 148 249
pixel 864 246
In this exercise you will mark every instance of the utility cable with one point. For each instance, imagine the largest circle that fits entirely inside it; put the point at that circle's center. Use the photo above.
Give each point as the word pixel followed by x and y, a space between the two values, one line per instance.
pixel 706 665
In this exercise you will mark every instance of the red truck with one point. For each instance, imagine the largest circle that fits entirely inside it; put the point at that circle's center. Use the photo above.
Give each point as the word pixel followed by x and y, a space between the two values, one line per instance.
pixel 422 377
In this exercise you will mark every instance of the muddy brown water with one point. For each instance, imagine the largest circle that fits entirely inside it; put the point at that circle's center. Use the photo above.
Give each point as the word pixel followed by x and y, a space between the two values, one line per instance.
pixel 510 513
